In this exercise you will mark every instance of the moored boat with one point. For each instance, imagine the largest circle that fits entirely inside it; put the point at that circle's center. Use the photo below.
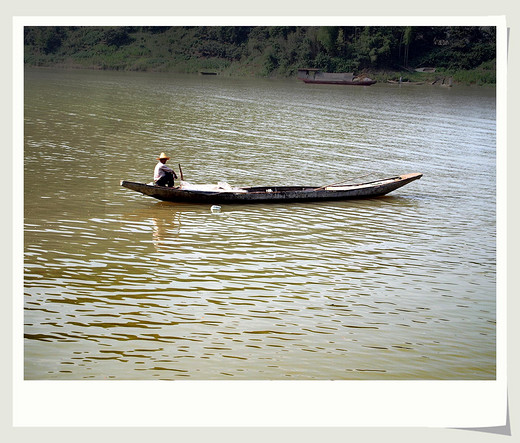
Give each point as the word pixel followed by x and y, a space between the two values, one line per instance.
pixel 316 76
pixel 223 193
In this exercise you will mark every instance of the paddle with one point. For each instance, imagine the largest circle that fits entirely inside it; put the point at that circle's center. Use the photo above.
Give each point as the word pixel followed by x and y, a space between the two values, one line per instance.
pixel 180 170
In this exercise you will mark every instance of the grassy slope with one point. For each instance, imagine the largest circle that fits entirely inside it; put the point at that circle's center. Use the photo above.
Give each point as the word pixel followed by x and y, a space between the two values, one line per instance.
pixel 188 50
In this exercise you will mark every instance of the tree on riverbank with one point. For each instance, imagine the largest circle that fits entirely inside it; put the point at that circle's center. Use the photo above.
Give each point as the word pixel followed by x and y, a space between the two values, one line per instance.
pixel 265 50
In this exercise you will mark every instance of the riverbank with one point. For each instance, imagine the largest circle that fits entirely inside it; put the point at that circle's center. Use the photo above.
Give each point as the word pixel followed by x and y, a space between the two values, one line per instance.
pixel 481 76
pixel 476 77
pixel 270 52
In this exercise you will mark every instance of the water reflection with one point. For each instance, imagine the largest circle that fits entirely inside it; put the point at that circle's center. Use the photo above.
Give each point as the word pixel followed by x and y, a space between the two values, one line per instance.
pixel 165 230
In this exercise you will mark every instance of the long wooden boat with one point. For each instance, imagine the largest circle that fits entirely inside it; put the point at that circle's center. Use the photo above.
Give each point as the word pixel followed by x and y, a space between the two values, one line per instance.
pixel 273 194
pixel 316 76
pixel 362 82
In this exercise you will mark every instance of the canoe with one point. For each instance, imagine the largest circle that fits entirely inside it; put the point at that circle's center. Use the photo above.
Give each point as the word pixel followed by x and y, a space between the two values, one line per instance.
pixel 272 194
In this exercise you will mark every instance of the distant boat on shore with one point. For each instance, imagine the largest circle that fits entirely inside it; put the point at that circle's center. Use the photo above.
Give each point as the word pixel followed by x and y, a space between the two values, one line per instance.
pixel 317 76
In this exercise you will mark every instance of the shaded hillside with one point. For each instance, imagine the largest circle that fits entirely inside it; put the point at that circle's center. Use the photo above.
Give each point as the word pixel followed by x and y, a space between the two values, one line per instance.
pixel 265 51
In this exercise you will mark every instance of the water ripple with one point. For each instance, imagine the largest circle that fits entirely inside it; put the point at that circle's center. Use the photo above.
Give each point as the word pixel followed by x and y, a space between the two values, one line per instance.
pixel 120 286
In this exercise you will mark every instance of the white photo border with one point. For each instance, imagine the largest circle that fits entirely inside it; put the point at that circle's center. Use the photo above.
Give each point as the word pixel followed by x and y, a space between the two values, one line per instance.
pixel 463 404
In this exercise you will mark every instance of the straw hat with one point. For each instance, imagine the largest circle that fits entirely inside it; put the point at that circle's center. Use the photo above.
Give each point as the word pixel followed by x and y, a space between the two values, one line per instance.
pixel 163 156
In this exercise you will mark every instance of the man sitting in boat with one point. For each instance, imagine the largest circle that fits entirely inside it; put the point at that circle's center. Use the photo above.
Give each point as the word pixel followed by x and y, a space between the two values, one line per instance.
pixel 163 175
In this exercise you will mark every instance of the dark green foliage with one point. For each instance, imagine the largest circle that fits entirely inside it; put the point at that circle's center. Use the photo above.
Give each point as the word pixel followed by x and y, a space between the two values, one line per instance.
pixel 118 37
pixel 155 29
pixel 47 39
pixel 263 50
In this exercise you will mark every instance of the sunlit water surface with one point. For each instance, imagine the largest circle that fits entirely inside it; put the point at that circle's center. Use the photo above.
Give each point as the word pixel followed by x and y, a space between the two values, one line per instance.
pixel 121 286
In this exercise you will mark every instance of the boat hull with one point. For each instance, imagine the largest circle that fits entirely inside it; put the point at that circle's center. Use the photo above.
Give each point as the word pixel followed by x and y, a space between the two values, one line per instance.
pixel 275 194
pixel 340 82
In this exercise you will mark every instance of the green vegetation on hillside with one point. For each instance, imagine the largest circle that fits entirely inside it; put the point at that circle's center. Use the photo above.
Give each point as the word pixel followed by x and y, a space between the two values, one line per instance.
pixel 465 53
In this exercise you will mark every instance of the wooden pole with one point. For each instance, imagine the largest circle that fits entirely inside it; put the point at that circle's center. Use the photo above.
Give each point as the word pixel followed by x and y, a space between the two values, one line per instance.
pixel 339 183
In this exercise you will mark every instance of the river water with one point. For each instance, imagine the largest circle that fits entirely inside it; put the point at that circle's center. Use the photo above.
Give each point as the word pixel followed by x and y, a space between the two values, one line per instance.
pixel 121 286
